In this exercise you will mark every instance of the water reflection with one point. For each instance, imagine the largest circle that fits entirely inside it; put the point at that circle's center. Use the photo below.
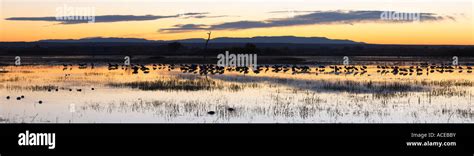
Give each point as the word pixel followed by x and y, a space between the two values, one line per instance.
pixel 272 93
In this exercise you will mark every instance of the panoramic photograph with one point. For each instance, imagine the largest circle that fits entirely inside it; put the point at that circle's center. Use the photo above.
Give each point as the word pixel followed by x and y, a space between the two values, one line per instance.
pixel 225 76
pixel 212 61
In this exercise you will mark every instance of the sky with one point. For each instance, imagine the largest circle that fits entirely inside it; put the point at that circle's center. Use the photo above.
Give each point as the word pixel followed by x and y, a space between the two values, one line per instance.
pixel 440 22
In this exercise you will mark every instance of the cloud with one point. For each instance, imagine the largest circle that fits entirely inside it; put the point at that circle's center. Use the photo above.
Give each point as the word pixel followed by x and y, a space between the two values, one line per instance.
pixel 107 18
pixel 200 15
pixel 195 13
pixel 185 27
pixel 292 11
pixel 314 18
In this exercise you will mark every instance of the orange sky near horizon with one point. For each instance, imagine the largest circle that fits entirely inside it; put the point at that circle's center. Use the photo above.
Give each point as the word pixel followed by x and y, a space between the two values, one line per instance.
pixel 459 31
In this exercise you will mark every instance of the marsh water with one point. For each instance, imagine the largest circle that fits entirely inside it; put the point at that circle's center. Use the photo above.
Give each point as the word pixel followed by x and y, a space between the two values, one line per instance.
pixel 58 94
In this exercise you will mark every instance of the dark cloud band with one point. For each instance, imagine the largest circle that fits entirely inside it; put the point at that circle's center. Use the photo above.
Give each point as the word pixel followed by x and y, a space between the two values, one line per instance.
pixel 105 18
pixel 315 17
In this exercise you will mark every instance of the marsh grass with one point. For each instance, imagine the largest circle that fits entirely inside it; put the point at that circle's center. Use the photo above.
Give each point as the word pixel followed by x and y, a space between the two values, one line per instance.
pixel 390 95
pixel 12 79
pixel 170 110
pixel 186 83
pixel 42 88
pixel 3 120
pixel 32 88
pixel 312 99
pixel 369 87
pixel 93 74
pixel 234 87
pixel 175 109
pixel 171 84
pixel 446 83
pixel 333 85
pixel 464 113
pixel 448 92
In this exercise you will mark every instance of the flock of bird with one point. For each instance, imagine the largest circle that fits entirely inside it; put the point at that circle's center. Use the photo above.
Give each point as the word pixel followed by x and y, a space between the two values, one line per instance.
pixel 49 90
pixel 22 97
pixel 419 70
pixel 206 69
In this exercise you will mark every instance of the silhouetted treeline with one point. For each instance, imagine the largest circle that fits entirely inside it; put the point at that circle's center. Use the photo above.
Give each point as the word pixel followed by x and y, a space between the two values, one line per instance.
pixel 197 49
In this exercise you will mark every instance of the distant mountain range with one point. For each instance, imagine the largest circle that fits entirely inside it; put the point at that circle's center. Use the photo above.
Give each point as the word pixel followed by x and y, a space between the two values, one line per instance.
pixel 258 39
pixel 98 39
